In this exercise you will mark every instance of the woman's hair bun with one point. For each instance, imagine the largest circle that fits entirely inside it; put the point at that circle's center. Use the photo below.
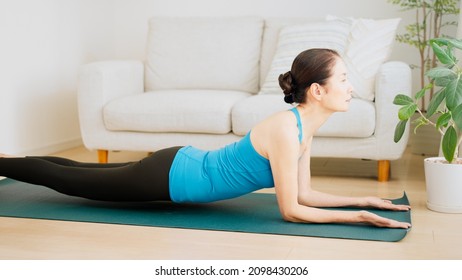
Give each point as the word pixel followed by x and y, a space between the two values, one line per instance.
pixel 286 82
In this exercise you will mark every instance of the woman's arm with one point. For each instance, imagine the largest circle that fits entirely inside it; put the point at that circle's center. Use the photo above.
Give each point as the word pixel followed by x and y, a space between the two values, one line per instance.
pixel 309 197
pixel 284 157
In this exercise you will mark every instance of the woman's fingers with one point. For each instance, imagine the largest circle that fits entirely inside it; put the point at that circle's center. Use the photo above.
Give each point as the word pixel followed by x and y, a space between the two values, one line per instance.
pixel 379 221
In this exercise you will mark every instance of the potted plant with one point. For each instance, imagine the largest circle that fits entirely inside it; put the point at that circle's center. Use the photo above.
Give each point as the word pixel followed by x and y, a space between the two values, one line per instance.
pixel 443 174
pixel 432 18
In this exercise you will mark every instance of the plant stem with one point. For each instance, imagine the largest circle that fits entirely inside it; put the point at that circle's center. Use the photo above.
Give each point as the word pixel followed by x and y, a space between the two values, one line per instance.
pixel 421 44
pixel 429 121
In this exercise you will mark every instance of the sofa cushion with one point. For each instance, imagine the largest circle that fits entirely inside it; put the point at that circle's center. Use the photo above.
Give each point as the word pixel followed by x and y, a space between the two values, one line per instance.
pixel 357 122
pixel 205 53
pixel 294 39
pixel 189 111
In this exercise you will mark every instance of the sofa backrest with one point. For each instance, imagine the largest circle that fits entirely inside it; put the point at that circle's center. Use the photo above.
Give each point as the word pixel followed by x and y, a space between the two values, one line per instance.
pixel 248 53
pixel 204 53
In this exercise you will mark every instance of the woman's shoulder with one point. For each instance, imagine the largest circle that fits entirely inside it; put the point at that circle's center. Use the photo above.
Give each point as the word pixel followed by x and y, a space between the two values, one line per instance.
pixel 280 126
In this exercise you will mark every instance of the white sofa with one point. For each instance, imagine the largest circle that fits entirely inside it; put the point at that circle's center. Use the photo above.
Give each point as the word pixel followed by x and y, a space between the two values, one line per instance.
pixel 206 81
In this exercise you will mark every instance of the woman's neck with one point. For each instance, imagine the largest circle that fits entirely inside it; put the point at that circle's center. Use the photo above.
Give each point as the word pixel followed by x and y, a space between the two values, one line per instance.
pixel 313 117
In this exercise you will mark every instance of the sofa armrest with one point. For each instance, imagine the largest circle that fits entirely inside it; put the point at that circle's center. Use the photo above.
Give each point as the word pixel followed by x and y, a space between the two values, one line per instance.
pixel 393 78
pixel 99 83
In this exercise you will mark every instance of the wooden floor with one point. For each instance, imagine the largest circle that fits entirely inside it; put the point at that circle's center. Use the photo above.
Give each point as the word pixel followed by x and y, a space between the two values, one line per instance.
pixel 433 236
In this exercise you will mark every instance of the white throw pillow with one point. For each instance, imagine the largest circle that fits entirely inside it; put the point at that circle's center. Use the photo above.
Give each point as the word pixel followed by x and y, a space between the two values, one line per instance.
pixel 294 39
pixel 370 43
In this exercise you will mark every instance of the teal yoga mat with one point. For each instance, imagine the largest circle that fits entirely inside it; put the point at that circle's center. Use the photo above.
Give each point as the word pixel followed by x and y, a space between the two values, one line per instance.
pixel 252 213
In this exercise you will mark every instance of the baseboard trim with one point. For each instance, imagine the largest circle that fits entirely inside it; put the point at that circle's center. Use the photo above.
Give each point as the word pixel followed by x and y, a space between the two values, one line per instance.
pixel 54 148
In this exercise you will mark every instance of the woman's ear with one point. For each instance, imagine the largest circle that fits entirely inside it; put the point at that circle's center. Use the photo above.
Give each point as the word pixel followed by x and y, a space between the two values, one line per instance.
pixel 315 90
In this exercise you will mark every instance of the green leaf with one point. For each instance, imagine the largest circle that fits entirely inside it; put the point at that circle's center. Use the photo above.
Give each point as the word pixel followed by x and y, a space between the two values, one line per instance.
pixel 442 55
pixel 421 92
pixel 439 72
pixel 443 120
pixel 457 116
pixel 456 43
pixel 436 101
pixel 440 41
pixel 449 144
pixel 407 111
pixel 450 52
pixel 399 130
pixel 454 93
pixel 443 81
pixel 402 99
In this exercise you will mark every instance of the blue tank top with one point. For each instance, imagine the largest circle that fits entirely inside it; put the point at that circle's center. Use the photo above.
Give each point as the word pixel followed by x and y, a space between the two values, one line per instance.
pixel 234 170
pixel 299 124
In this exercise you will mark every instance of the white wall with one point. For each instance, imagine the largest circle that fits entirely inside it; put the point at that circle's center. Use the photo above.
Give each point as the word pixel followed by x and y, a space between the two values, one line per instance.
pixel 43 43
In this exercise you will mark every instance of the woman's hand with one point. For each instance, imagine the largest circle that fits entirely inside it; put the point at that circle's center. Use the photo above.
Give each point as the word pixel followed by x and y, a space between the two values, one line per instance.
pixel 378 221
pixel 384 204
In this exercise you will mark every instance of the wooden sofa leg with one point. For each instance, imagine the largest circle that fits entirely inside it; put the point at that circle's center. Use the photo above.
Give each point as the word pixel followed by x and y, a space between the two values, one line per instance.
pixel 383 172
pixel 103 156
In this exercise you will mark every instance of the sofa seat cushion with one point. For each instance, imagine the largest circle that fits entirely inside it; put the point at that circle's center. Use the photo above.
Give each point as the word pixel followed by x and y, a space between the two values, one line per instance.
pixel 357 122
pixel 189 111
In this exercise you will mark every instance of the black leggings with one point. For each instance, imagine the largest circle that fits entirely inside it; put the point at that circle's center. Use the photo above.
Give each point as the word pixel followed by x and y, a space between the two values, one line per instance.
pixel 144 180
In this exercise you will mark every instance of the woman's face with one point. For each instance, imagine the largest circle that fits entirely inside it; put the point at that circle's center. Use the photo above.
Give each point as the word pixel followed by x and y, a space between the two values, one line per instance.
pixel 338 89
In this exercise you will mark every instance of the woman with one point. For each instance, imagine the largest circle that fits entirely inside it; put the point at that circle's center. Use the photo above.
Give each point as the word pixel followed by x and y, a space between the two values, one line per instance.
pixel 275 153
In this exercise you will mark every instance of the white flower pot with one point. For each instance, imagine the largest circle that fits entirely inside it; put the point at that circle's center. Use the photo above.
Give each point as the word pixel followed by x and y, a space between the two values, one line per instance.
pixel 444 185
